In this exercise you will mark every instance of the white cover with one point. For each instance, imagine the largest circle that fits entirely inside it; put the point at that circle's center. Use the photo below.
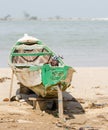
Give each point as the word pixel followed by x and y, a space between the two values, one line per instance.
pixel 27 38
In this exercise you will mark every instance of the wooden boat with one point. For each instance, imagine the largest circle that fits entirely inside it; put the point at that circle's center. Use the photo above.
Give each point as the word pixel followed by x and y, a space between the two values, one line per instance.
pixel 38 68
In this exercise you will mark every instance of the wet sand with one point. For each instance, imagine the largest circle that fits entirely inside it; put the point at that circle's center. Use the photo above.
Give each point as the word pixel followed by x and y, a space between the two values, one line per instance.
pixel 86 110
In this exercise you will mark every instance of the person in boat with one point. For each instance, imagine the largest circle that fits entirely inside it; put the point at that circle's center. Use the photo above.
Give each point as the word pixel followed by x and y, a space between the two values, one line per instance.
pixel 54 61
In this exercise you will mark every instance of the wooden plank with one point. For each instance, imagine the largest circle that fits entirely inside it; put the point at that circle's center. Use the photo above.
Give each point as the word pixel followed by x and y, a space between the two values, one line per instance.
pixel 50 99
pixel 11 85
pixel 41 99
pixel 34 104
pixel 32 99
pixel 32 54
pixel 60 102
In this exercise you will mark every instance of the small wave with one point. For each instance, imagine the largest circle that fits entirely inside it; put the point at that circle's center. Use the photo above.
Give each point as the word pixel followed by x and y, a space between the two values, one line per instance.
pixel 89 19
pixel 99 19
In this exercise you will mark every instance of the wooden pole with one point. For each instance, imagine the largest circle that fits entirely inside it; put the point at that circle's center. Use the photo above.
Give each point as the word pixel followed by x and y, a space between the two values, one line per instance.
pixel 11 85
pixel 60 102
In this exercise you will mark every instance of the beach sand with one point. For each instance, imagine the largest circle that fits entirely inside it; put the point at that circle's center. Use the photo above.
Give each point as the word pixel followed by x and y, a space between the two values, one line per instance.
pixel 86 110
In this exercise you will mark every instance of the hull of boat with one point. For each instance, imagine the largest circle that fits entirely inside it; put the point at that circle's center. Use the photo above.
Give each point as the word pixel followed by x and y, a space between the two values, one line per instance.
pixel 36 69
pixel 33 80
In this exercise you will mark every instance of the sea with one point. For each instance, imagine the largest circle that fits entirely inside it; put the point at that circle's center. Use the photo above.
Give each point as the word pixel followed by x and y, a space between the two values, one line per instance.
pixel 81 43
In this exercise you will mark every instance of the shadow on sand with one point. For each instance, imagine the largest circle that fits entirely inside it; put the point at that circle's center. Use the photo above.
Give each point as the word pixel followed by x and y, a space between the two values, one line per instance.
pixel 71 105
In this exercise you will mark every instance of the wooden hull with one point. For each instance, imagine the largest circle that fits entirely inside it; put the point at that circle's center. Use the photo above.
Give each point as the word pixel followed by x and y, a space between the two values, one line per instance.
pixel 33 81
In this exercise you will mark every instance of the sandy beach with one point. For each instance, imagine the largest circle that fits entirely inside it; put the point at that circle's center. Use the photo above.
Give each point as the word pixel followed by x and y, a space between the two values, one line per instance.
pixel 86 110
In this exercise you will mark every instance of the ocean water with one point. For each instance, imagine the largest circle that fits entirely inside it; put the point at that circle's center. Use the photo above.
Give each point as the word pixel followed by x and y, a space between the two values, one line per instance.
pixel 81 43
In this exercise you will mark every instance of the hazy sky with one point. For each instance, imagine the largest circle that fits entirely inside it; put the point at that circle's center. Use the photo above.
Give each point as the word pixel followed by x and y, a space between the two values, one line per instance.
pixel 48 8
